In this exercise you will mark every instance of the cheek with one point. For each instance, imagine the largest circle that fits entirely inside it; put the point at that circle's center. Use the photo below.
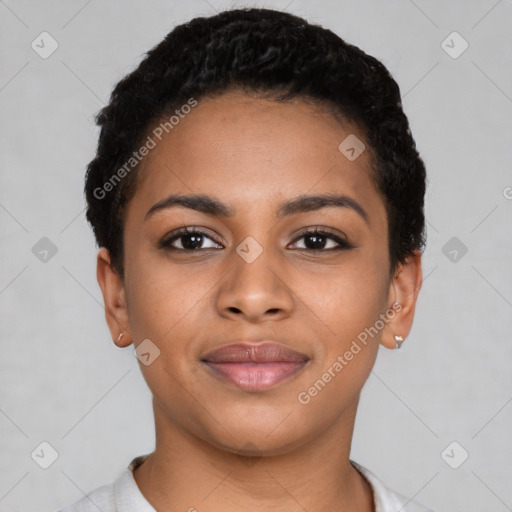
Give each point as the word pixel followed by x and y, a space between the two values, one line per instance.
pixel 351 297
pixel 160 301
pixel 162 306
pixel 171 306
pixel 350 305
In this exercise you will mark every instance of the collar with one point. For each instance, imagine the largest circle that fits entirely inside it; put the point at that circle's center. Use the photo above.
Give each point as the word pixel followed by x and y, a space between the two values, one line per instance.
pixel 128 496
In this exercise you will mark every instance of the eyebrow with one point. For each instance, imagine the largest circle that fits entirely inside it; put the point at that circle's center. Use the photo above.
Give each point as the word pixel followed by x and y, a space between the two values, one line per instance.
pixel 301 204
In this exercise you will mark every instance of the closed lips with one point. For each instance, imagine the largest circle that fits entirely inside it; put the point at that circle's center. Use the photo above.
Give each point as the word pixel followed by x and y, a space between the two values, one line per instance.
pixel 255 367
pixel 254 353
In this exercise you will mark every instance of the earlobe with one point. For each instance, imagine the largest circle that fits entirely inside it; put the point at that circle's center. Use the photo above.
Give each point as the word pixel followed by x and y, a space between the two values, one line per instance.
pixel 112 288
pixel 404 289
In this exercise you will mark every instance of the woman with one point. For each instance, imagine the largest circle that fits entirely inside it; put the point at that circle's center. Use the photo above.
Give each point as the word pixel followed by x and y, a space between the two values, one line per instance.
pixel 257 198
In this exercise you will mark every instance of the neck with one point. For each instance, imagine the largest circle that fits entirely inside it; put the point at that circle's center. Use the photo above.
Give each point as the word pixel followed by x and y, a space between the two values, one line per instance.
pixel 187 473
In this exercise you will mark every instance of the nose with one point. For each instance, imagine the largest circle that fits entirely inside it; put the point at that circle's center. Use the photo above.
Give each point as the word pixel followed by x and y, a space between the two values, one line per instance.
pixel 256 290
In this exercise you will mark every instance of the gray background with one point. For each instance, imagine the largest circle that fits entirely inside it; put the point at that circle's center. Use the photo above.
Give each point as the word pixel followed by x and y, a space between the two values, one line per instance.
pixel 63 381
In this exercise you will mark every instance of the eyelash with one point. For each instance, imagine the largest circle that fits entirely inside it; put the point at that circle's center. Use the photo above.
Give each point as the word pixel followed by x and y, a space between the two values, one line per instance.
pixel 182 232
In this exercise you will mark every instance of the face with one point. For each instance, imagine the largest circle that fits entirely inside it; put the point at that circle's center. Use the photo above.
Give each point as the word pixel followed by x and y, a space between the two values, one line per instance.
pixel 251 269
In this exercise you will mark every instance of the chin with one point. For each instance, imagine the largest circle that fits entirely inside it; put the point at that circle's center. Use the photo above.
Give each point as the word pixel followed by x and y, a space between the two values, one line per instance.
pixel 251 438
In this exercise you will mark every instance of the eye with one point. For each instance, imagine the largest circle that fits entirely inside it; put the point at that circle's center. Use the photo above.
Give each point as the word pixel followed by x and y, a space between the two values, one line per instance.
pixel 190 239
pixel 193 239
pixel 317 240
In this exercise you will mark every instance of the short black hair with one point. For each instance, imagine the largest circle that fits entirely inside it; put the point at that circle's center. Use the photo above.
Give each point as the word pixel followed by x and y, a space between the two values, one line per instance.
pixel 260 51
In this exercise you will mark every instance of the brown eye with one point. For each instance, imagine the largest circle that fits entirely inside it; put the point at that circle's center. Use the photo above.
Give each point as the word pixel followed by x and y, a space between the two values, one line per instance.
pixel 316 240
pixel 189 239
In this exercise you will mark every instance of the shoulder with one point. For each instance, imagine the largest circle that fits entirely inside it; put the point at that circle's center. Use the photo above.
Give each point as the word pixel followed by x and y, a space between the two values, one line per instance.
pixel 387 500
pixel 123 495
pixel 102 498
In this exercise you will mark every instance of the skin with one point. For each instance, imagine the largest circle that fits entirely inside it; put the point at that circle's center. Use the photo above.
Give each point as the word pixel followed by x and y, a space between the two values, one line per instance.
pixel 220 448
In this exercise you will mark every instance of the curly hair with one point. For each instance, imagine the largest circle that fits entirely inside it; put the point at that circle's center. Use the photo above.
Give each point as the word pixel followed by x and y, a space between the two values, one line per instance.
pixel 261 51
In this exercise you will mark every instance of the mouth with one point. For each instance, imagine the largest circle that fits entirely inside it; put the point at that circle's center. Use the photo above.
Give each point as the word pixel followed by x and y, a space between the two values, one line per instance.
pixel 255 367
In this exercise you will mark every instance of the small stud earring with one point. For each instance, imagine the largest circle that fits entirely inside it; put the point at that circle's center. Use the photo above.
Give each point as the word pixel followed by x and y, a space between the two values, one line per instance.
pixel 398 341
pixel 120 336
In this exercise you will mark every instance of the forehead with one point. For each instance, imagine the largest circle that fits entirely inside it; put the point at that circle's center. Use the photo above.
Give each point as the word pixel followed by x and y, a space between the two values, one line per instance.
pixel 251 150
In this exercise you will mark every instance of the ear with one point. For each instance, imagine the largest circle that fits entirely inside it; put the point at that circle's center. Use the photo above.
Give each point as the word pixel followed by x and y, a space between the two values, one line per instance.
pixel 112 288
pixel 403 290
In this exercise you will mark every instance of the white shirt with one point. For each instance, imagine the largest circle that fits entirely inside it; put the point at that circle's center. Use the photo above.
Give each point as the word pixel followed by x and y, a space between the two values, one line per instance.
pixel 124 495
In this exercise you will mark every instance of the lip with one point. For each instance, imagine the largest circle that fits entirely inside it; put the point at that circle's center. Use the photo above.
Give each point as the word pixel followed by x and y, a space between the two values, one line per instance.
pixel 255 367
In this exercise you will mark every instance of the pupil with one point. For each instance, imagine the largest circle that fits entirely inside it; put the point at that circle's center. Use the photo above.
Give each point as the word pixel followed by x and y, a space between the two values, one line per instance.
pixel 317 244
pixel 195 241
